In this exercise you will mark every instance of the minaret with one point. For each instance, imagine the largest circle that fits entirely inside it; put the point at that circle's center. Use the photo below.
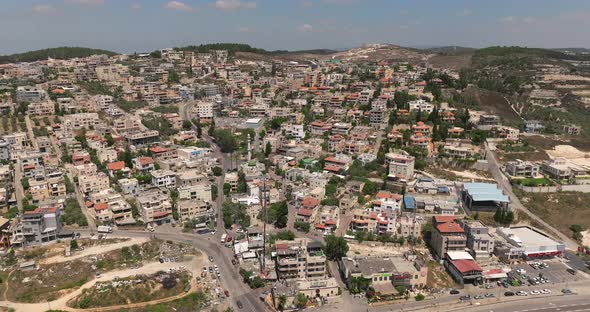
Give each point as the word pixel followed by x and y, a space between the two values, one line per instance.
pixel 249 149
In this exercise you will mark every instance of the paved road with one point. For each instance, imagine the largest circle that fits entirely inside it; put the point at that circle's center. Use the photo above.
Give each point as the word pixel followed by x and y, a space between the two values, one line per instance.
pixel 18 187
pixel 504 183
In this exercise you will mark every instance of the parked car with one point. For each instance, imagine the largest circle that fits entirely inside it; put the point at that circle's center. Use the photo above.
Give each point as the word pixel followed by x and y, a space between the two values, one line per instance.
pixel 566 291
pixel 465 298
pixel 508 294
pixel 546 291
pixel 454 292
pixel 521 293
pixel 239 304
pixel 226 293
pixel 535 292
pixel 571 271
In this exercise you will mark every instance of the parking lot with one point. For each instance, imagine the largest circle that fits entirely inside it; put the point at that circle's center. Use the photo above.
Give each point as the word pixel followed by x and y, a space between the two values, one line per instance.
pixel 555 271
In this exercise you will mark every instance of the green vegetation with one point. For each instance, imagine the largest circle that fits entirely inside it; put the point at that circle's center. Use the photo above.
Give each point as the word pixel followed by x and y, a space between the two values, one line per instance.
pixel 302 226
pixel 419 297
pixel 276 214
pixel 166 109
pixel 252 281
pixel 577 232
pixel 336 247
pixel 234 213
pixel 225 139
pixel 192 302
pixel 504 216
pixel 282 235
pixel 130 106
pixel 533 182
pixel 73 213
pixel 56 53
pixel 160 124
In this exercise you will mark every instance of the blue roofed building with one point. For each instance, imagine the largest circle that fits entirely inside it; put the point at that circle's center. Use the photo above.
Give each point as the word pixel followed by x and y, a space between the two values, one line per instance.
pixel 483 197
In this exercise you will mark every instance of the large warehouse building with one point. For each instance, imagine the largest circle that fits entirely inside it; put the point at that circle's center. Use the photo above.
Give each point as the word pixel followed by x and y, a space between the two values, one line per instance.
pixel 483 197
pixel 526 242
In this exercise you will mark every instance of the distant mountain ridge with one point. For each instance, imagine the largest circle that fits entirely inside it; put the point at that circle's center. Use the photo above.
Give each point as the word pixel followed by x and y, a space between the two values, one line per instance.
pixel 56 53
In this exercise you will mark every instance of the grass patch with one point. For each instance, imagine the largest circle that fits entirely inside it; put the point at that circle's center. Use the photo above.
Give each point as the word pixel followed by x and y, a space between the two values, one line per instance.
pixel 533 182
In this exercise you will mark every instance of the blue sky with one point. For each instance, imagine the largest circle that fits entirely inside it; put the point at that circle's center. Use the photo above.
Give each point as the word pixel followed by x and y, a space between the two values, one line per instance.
pixel 145 25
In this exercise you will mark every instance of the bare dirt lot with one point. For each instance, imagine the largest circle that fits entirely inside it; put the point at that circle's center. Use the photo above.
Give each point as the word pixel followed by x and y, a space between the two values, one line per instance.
pixel 559 209
pixel 53 280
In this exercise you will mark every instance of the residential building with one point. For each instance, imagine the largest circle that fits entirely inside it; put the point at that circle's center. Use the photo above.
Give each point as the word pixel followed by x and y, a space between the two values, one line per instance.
pixel 480 241
pixel 164 178
pixel 520 168
pixel 401 166
pixel 38 226
pixel 155 207
pixel 447 235
pixel 300 260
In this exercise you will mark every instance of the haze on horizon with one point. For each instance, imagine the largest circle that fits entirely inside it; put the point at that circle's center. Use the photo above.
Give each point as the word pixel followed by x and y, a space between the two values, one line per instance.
pixel 144 25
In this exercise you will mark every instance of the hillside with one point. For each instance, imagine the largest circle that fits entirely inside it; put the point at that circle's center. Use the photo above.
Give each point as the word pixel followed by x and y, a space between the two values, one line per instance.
pixel 234 48
pixel 56 53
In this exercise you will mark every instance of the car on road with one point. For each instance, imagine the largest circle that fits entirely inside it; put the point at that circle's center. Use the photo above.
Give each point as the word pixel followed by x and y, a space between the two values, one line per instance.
pixel 546 291
pixel 210 269
pixel 508 294
pixel 465 298
pixel 234 261
pixel 490 295
pixel 521 293
pixel 239 304
pixel 566 291
pixel 210 258
pixel 489 286
pixel 454 292
pixel 535 292
pixel 226 293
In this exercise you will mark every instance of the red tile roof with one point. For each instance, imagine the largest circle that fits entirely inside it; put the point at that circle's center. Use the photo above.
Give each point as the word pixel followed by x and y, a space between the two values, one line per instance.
pixel 444 219
pixel 332 168
pixel 101 206
pixel 450 228
pixel 115 166
pixel 145 160
pixel 304 212
pixel 464 266
pixel 331 222
pixel 320 226
pixel 310 202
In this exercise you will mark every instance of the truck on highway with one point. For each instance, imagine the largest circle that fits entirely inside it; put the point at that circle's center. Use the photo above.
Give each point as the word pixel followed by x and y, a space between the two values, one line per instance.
pixel 104 229
pixel 223 237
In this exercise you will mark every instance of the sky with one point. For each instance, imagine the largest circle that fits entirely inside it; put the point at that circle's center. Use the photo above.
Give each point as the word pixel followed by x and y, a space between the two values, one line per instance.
pixel 129 26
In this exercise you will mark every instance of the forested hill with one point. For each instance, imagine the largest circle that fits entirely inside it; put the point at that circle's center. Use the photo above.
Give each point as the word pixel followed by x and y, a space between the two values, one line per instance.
pixel 56 53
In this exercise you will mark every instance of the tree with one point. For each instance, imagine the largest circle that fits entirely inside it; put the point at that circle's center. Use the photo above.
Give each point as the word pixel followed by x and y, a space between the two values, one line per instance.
pixel 25 183
pixel 74 244
pixel 267 149
pixel 282 215
pixel 301 300
pixel 369 188
pixel 336 247
pixel 187 125
pixel 226 188
pixel 302 226
pixel 214 191
pixel 217 171
pixel 211 130
pixel 419 297
pixel 110 140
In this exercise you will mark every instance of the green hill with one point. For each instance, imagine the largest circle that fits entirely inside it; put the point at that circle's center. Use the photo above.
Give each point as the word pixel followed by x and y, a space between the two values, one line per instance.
pixel 56 53
pixel 232 48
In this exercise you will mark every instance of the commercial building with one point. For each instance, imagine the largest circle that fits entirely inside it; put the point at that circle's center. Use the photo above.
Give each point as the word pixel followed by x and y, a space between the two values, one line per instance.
pixel 483 197
pixel 193 209
pixel 463 268
pixel 526 242
pixel 386 272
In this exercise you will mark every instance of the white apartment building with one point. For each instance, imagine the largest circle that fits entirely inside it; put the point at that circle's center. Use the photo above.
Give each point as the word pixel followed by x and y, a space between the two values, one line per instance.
pixel 401 166
pixel 204 110
pixel 80 121
pixel 93 183
pixel 155 207
pixel 164 178
pixel 421 105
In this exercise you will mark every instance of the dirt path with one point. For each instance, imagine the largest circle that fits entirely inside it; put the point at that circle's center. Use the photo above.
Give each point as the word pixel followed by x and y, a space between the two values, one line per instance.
pixel 94 250
pixel 193 265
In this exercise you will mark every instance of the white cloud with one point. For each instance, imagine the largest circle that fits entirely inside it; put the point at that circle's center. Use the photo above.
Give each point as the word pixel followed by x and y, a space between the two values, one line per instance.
pixel 87 2
pixel 177 5
pixel 44 9
pixel 136 6
pixel 234 4
pixel 305 28
pixel 466 12
pixel 245 29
